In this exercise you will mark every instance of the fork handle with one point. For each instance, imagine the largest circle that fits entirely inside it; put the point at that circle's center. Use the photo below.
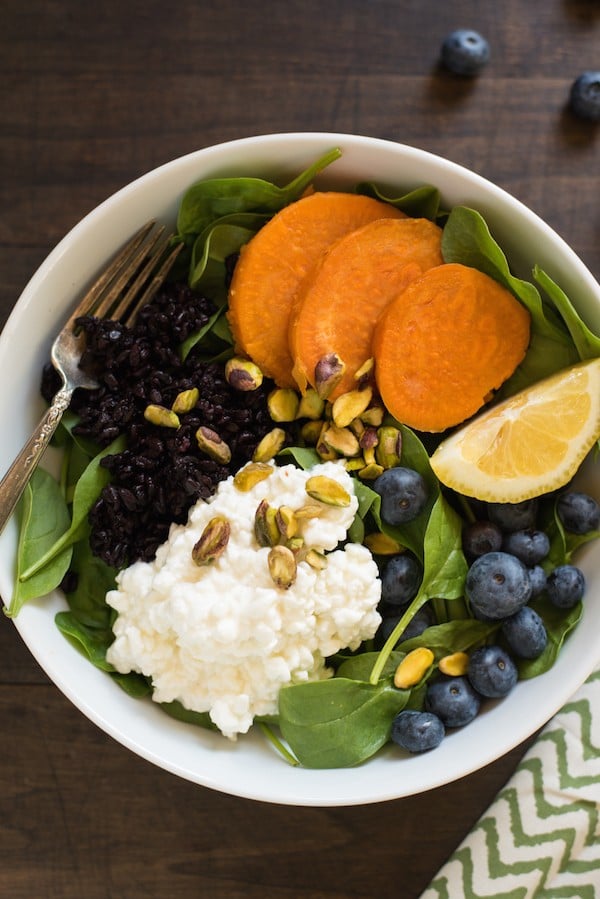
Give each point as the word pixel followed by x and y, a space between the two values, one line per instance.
pixel 17 477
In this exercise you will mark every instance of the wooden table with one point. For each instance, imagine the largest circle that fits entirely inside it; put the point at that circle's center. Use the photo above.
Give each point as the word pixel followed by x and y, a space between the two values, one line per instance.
pixel 94 95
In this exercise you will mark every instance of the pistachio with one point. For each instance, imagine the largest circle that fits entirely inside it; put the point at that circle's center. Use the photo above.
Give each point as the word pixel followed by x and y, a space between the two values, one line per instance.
pixel 350 405
pixel 329 371
pixel 389 447
pixel 251 475
pixel 374 416
pixel 243 374
pixel 296 544
pixel 326 453
pixel 354 464
pixel 371 471
pixel 310 509
pixel 315 559
pixel 341 440
pixel 185 400
pixel 283 403
pixel 357 427
pixel 266 530
pixel 413 667
pixel 269 446
pixel 287 522
pixel 456 664
pixel 310 431
pixel 211 444
pixel 364 374
pixel 327 490
pixel 311 405
pixel 213 541
pixel 382 545
pixel 159 415
pixel 369 439
pixel 282 566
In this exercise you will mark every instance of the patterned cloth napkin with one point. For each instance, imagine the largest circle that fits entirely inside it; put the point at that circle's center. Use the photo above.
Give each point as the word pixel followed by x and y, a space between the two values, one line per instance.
pixel 541 835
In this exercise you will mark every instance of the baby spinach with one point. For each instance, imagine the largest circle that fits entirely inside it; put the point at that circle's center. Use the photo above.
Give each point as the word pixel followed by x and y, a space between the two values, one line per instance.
pixel 213 247
pixel 586 342
pixel 558 624
pixel 444 572
pixel 43 516
pixel 338 723
pixel 211 199
pixel 422 202
pixel 458 635
pixel 89 641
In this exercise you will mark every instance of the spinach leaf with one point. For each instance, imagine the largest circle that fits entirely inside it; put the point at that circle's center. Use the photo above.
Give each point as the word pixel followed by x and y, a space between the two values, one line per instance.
pixel 340 722
pixel 360 665
pixel 444 572
pixel 558 625
pixel 88 489
pixel 176 710
pixel 586 342
pixel 43 516
pixel 210 251
pixel 209 200
pixel 201 335
pixel 422 202
pixel 459 635
pixel 89 641
pixel 94 579
pixel 135 685
pixel 304 456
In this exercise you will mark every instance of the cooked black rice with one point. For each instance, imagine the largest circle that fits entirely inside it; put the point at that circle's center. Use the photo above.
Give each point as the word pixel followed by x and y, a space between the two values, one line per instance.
pixel 162 472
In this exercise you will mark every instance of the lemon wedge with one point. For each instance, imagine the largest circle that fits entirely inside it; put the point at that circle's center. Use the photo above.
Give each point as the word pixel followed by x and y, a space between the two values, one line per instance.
pixel 529 444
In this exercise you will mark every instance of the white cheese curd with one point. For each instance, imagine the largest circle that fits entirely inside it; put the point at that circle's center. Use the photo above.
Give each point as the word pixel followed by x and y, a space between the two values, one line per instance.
pixel 223 638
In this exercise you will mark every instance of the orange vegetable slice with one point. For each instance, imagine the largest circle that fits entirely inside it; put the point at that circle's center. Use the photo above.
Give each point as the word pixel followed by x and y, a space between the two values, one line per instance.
pixel 273 264
pixel 445 344
pixel 340 301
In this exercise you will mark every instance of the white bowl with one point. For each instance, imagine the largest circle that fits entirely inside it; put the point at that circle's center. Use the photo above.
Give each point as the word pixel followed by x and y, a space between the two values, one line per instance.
pixel 249 768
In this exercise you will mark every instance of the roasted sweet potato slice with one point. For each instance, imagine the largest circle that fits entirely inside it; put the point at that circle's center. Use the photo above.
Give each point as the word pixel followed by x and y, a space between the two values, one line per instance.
pixel 272 265
pixel 445 344
pixel 340 301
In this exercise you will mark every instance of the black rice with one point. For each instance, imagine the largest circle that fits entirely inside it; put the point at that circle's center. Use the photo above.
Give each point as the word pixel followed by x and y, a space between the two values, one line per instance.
pixel 162 472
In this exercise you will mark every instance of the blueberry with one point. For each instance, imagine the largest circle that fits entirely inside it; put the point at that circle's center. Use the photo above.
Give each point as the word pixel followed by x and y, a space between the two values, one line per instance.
pixel 537 576
pixel 454 700
pixel 465 52
pixel 417 731
pixel 497 585
pixel 578 512
pixel 401 580
pixel 403 494
pixel 584 97
pixel 525 633
pixel 513 516
pixel 415 627
pixel 492 672
pixel 530 545
pixel 481 537
pixel 565 586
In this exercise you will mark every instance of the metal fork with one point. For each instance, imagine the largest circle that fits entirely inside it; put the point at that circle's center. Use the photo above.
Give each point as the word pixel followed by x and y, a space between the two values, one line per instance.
pixel 127 284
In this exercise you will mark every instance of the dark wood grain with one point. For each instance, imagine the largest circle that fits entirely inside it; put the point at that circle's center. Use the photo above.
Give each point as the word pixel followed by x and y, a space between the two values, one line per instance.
pixel 95 95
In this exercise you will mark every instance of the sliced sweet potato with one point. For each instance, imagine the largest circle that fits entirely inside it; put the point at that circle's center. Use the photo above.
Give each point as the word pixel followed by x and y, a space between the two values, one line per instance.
pixel 340 301
pixel 445 344
pixel 272 265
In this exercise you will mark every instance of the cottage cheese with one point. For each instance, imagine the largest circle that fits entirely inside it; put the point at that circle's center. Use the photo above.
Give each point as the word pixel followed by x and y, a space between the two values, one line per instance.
pixel 223 638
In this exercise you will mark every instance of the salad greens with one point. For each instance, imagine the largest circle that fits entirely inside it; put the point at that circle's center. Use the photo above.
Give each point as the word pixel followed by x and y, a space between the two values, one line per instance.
pixel 346 719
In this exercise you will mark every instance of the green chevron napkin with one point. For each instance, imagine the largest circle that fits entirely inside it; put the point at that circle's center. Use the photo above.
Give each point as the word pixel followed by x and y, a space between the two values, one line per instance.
pixel 541 835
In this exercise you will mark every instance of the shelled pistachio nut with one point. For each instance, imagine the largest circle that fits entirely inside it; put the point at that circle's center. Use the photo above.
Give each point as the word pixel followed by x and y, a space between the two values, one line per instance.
pixel 185 400
pixel 327 490
pixel 329 371
pixel 251 475
pixel 371 471
pixel 283 403
pixel 326 454
pixel 341 440
pixel 315 559
pixel 310 432
pixel 311 405
pixel 266 529
pixel 364 374
pixel 269 446
pixel 282 566
pixel 350 405
pixel 456 664
pixel 374 416
pixel 243 374
pixel 413 667
pixel 211 444
pixel 161 416
pixel 389 446
pixel 381 544
pixel 287 522
pixel 310 509
pixel 213 541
